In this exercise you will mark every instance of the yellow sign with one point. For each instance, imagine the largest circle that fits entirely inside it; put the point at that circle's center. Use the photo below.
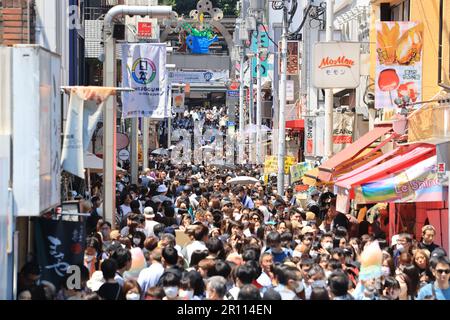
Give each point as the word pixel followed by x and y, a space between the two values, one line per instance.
pixel 271 164
pixel 298 170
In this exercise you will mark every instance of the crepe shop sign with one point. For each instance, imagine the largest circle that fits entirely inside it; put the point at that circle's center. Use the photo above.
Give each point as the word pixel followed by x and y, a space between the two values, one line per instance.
pixel 336 65
pixel 338 62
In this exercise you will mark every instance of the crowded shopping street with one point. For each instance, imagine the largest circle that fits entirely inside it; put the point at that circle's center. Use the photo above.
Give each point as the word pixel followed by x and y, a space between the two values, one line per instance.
pixel 224 150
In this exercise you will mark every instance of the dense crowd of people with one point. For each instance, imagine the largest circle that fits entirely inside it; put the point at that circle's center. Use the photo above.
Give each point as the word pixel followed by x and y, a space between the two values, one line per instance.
pixel 186 233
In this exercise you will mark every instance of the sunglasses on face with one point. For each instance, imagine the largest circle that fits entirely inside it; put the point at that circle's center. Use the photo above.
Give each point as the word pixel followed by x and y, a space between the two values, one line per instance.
pixel 441 271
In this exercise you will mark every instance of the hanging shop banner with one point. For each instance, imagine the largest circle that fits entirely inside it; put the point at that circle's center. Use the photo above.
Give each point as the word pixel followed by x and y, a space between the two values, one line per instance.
pixel 298 170
pixel 293 57
pixel 85 108
pixel 419 183
pixel 399 63
pixel 309 136
pixel 201 76
pixel 336 65
pixel 144 70
pixel 60 244
pixel 293 66
pixel 271 164
pixel 342 130
pixel 178 100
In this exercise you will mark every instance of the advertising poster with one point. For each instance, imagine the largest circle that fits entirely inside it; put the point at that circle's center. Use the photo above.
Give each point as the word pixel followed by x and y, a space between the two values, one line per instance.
pixel 342 130
pixel 398 76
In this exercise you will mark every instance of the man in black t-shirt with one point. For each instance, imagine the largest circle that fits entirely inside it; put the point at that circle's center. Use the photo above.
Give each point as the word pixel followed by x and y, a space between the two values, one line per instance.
pixel 110 290
pixel 428 233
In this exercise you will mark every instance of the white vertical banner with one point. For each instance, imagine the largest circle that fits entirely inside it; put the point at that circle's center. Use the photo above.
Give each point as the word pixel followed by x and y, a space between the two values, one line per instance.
pixel 290 95
pixel 144 70
pixel 85 108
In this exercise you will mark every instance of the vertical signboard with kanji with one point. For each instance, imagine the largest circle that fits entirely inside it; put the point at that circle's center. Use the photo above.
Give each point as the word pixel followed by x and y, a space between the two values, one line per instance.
pixel 60 244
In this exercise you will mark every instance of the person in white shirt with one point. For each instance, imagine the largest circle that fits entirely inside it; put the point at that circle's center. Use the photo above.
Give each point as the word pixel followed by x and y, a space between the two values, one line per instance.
pixel 150 276
pixel 266 277
pixel 200 237
pixel 125 207
pixel 149 222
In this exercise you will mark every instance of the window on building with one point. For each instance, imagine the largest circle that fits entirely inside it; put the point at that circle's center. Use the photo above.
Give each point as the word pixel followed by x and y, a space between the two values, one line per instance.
pixel 400 12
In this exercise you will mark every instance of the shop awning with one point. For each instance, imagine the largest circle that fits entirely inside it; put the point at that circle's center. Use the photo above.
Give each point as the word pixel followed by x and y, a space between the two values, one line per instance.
pixel 330 167
pixel 298 124
pixel 405 160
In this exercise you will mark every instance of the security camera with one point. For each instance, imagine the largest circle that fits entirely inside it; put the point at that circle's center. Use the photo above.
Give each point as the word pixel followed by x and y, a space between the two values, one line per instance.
pixel 101 57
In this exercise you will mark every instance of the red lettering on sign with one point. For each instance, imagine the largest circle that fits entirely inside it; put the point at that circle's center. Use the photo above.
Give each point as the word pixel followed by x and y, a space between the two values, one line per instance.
pixel 341 61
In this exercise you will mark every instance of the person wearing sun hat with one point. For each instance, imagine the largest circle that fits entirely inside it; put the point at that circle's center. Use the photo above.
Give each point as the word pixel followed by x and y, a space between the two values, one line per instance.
pixel 96 281
pixel 150 223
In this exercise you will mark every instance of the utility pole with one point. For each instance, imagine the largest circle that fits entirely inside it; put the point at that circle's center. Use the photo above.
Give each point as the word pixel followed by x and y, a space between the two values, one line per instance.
pixel 258 93
pixel 282 95
pixel 134 156
pixel 145 141
pixel 241 105
pixel 169 122
pixel 329 97
pixel 251 105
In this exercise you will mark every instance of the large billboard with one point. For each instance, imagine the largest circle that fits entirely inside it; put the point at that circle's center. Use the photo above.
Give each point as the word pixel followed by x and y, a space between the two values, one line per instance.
pixel 398 78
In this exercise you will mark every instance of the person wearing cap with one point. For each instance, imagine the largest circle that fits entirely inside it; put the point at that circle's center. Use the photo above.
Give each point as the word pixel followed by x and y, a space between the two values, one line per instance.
pixel 162 190
pixel 289 196
pixel 313 203
pixel 149 221
pixel 428 233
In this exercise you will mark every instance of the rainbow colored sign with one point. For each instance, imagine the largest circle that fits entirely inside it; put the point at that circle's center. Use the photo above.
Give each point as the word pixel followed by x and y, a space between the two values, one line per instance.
pixel 419 183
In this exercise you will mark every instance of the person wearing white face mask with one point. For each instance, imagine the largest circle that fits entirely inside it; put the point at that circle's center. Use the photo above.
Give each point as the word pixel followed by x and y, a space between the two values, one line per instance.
pixel 185 292
pixel 171 284
pixel 132 290
pixel 290 283
pixel 326 243
pixel 92 255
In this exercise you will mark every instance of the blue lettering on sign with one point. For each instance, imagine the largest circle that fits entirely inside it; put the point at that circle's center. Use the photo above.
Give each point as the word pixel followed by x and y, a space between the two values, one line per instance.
pixel 233 93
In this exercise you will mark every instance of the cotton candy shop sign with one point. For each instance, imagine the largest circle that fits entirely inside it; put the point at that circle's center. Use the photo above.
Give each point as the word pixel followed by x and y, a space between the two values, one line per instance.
pixel 336 65
pixel 418 183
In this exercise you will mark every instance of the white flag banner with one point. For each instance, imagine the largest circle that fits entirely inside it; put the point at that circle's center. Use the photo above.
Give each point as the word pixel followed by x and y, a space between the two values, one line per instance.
pixel 85 108
pixel 144 70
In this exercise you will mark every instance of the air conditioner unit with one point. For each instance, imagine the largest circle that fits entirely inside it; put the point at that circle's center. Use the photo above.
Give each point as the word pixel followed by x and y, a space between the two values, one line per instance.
pixel 250 23
pixel 243 34
pixel 257 5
